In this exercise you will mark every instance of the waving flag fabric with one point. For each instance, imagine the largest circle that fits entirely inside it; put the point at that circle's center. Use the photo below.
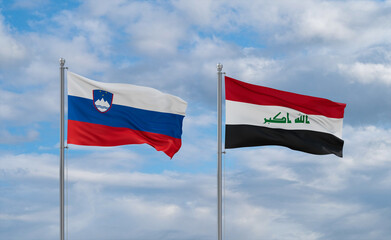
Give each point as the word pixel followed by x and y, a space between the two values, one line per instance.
pixel 112 114
pixel 257 116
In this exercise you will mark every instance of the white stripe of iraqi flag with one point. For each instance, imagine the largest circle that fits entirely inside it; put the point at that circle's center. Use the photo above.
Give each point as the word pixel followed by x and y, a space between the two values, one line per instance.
pixel 259 116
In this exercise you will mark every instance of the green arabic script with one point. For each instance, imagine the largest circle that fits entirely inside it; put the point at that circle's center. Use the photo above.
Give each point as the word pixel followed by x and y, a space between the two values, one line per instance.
pixel 277 119
pixel 302 119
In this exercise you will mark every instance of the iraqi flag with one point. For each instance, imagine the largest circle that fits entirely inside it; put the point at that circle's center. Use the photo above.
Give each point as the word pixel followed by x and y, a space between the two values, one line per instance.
pixel 258 116
pixel 112 114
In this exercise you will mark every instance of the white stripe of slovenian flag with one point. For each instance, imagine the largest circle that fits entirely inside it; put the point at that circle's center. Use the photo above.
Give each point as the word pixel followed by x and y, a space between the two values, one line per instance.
pixel 127 95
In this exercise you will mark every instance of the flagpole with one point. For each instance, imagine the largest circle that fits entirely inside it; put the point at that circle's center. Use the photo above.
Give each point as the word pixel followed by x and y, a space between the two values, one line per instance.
pixel 62 68
pixel 219 152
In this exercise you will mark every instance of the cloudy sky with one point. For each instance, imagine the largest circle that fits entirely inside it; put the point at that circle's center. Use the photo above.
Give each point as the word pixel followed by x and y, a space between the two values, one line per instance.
pixel 334 49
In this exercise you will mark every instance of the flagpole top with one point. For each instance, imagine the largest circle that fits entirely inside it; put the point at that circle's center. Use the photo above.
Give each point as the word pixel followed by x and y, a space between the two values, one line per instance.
pixel 219 67
pixel 62 61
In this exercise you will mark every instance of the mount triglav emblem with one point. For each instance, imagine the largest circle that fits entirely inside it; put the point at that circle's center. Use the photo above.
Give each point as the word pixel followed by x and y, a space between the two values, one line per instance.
pixel 102 100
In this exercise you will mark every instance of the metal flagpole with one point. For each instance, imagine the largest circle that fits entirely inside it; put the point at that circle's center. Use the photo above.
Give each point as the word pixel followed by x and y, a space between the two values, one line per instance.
pixel 219 152
pixel 62 68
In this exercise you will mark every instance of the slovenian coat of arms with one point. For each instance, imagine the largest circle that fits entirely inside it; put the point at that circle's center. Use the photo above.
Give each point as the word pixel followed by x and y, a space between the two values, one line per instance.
pixel 102 100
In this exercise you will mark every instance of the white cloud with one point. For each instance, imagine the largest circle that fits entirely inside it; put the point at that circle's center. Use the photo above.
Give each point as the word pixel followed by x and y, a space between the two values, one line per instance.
pixel 253 69
pixel 136 179
pixel 10 138
pixel 29 166
pixel 157 32
pixel 351 24
pixel 96 31
pixel 367 73
pixel 42 216
pixel 76 51
pixel 182 204
pixel 201 120
pixel 203 14
pixel 323 21
pixel 368 146
pixel 210 15
pixel 151 29
pixel 11 49
pixel 22 108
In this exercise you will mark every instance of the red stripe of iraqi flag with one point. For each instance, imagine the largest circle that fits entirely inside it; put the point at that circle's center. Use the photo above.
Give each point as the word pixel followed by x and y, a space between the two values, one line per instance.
pixel 239 91
pixel 302 139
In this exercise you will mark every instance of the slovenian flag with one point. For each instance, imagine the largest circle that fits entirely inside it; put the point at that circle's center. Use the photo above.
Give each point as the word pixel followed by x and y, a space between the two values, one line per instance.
pixel 112 114
pixel 257 116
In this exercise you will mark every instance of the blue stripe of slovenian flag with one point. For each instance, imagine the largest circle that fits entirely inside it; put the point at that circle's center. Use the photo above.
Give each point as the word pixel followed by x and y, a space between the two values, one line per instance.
pixel 83 110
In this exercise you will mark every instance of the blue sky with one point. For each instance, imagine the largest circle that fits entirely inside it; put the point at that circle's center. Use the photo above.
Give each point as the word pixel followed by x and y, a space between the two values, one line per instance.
pixel 338 50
